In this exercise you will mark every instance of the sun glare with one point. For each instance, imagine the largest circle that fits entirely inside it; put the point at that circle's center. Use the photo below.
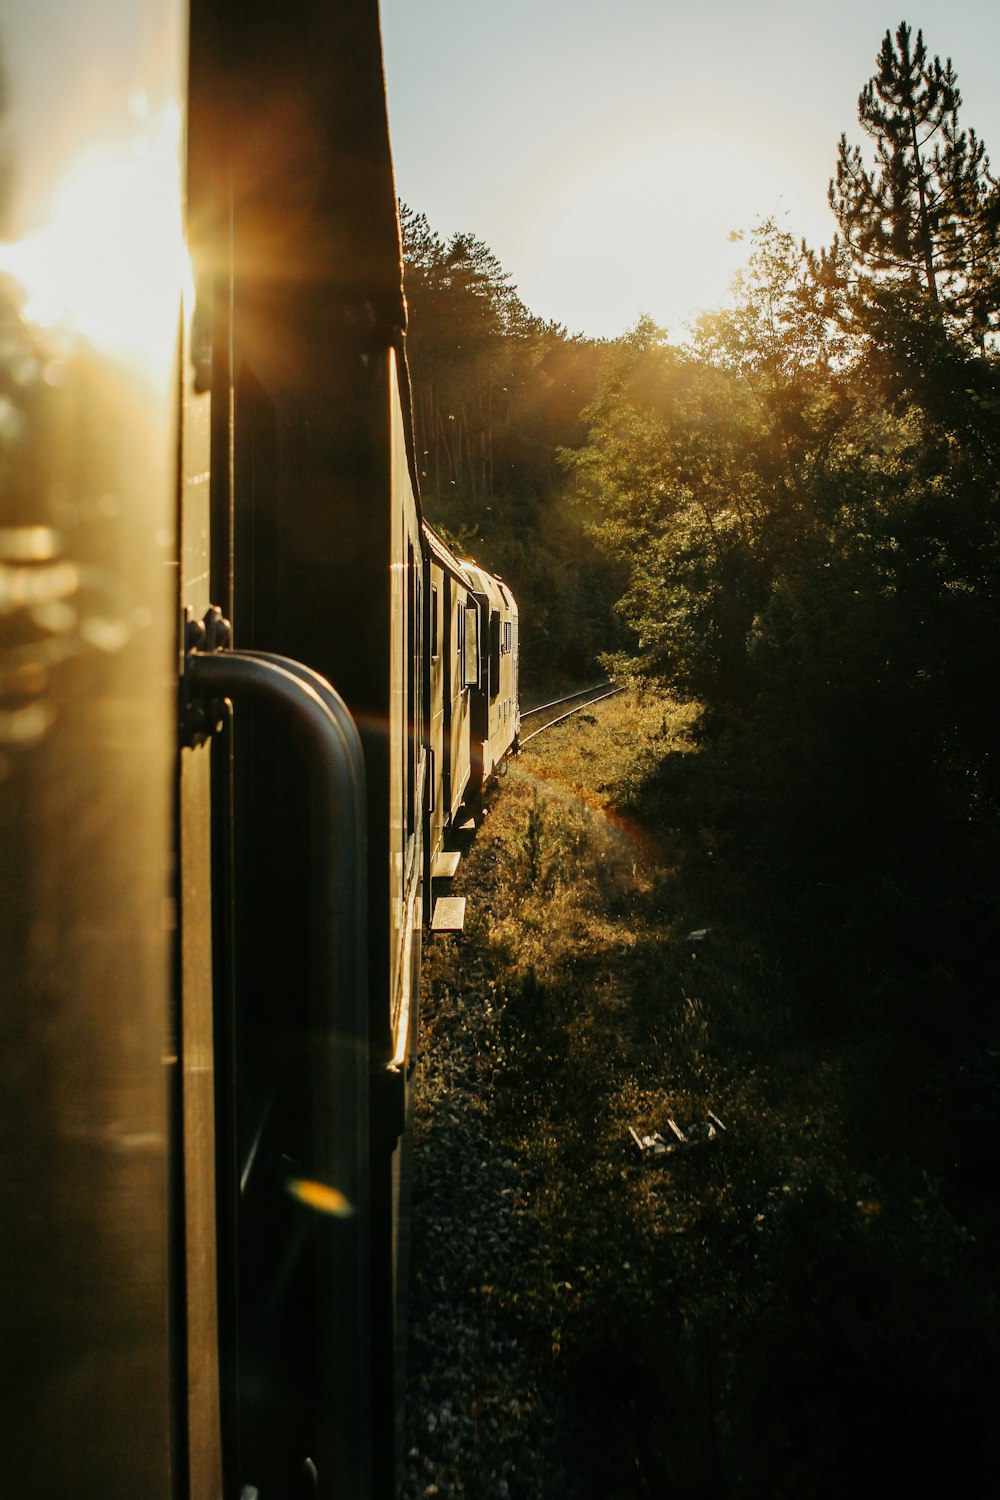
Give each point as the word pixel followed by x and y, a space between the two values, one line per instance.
pixel 652 221
pixel 109 263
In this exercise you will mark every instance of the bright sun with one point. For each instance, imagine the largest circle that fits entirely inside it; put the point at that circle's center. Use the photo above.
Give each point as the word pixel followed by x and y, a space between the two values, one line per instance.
pixel 109 262
pixel 653 223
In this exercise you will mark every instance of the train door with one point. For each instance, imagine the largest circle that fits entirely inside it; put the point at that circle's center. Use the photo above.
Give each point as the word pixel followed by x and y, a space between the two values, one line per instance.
pixel 272 838
pixel 314 534
pixel 91 272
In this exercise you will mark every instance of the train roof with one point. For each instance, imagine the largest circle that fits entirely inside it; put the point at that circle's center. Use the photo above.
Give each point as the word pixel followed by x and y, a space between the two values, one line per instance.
pixel 443 555
pixel 493 587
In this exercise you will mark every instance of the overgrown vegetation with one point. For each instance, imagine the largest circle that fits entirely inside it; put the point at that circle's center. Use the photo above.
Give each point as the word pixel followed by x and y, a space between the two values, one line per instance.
pixel 803 1305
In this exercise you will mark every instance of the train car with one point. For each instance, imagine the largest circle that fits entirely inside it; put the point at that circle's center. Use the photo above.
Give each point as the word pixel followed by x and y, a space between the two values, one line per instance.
pixel 316 550
pixel 453 667
pixel 212 752
pixel 496 719
pixel 91 275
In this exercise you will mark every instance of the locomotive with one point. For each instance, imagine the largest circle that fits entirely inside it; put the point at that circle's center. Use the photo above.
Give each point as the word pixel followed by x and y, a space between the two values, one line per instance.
pixel 247 697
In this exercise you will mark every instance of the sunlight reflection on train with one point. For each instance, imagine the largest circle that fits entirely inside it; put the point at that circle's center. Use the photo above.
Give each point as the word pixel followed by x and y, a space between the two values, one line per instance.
pixel 109 264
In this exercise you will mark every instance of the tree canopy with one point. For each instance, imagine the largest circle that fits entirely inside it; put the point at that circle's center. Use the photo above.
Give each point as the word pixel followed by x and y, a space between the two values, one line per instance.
pixel 805 498
pixel 922 219
pixel 496 393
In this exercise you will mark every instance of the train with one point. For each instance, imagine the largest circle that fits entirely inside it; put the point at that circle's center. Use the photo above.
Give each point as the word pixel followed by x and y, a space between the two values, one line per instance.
pixel 249 698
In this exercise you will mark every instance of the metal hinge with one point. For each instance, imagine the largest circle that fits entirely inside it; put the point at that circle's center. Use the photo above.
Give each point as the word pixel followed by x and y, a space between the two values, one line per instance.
pixel 200 718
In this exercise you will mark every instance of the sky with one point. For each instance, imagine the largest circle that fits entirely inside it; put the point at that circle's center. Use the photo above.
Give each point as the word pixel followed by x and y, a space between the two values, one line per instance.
pixel 604 149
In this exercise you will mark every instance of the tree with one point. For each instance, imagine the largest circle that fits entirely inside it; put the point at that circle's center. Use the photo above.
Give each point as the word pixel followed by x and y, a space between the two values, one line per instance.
pixel 922 222
pixel 708 467
pixel 472 347
pixel 496 393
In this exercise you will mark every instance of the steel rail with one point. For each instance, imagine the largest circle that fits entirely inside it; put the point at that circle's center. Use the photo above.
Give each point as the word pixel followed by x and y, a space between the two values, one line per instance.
pixel 587 703
pixel 540 708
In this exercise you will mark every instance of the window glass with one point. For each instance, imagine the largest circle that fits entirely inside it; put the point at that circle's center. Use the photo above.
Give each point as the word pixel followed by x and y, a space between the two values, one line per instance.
pixel 470 654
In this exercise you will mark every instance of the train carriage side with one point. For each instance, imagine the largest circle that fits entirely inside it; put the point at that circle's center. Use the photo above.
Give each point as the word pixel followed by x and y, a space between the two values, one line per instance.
pixel 452 671
pixel 88 635
pixel 496 712
pixel 316 555
pixel 510 687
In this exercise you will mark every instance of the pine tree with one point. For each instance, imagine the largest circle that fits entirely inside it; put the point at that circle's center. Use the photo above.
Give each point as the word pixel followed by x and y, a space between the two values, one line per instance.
pixel 923 221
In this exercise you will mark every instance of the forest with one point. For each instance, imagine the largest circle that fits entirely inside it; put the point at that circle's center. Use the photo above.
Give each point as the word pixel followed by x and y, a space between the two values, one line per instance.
pixel 499 396
pixel 790 522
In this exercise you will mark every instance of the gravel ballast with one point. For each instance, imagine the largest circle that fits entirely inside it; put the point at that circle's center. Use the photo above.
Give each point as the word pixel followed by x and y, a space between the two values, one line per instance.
pixel 480 1416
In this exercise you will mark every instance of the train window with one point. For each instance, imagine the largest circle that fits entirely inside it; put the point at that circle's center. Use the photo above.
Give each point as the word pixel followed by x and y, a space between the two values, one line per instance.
pixel 494 652
pixel 411 647
pixel 470 646
pixel 434 621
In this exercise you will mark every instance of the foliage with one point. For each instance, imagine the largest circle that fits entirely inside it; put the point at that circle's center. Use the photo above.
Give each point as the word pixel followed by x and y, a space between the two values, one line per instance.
pixel 496 393
pixel 472 348
pixel 922 224
pixel 713 457
pixel 806 500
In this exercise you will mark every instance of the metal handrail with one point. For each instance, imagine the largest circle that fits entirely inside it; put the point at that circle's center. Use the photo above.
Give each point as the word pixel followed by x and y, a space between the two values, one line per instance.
pixel 338 1051
pixel 358 800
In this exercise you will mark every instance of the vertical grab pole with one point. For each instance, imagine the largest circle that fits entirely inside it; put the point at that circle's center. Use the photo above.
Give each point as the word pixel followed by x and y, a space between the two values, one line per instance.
pixel 338 1049
pixel 349 730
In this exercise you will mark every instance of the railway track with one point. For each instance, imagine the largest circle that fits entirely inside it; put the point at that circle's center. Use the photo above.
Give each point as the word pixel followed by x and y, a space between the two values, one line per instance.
pixel 545 715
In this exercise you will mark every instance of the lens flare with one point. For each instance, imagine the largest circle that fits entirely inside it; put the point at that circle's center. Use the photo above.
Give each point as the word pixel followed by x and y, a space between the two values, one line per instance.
pixel 109 264
pixel 320 1196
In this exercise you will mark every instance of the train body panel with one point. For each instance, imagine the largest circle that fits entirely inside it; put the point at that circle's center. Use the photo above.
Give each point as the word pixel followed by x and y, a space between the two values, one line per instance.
pixel 496 718
pixel 449 709
pixel 197 1241
pixel 408 743
pixel 317 558
pixel 88 642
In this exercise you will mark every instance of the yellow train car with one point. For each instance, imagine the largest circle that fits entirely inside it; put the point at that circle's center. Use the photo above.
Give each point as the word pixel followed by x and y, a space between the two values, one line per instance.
pixel 496 720
pixel 452 676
